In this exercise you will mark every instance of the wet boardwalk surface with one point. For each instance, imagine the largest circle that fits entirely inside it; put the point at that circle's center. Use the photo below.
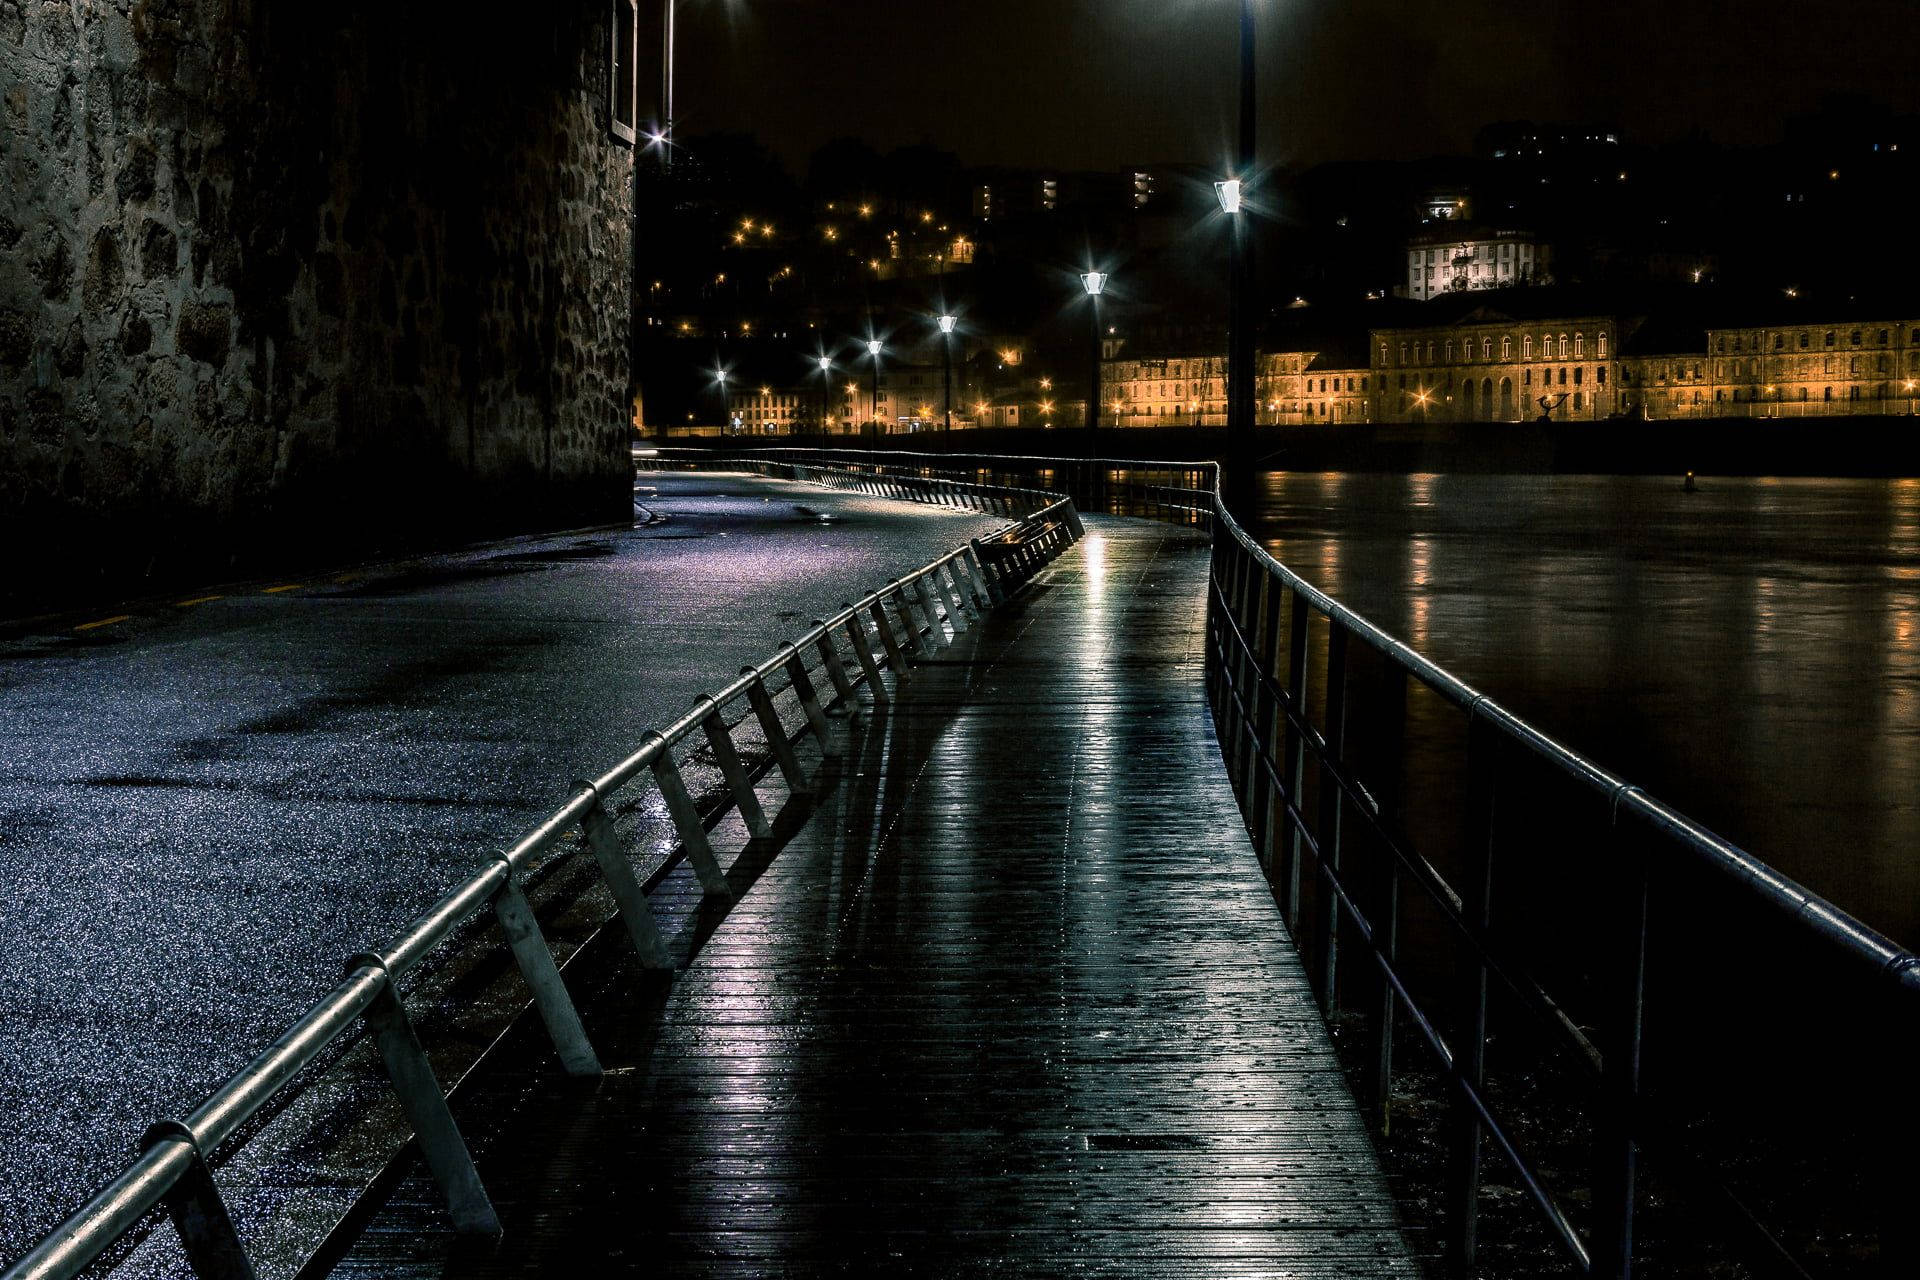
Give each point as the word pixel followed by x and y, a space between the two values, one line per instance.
pixel 205 806
pixel 1015 1001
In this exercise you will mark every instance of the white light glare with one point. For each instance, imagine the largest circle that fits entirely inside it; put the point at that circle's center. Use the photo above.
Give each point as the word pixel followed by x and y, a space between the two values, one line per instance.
pixel 1095 282
pixel 1229 193
pixel 947 323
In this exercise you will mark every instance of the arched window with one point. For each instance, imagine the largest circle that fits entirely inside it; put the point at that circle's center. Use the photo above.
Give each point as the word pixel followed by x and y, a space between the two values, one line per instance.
pixel 1602 340
pixel 1383 354
pixel 1429 351
pixel 1449 350
pixel 1579 346
pixel 1563 346
pixel 1506 347
pixel 1526 347
pixel 1403 353
pixel 1486 348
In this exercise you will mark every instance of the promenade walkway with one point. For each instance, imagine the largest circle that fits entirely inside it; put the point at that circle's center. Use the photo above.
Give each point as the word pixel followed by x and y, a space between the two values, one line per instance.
pixel 1016 1000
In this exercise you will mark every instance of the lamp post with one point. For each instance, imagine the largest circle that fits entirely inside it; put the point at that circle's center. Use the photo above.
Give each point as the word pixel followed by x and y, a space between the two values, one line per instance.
pixel 826 389
pixel 873 411
pixel 946 371
pixel 1095 283
pixel 1240 311
pixel 720 377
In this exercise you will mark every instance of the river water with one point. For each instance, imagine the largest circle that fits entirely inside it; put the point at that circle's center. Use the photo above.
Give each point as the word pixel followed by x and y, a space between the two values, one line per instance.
pixel 1749 652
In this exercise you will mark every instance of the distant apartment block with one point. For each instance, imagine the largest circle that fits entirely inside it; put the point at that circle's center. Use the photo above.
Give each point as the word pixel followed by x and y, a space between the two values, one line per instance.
pixel 1458 260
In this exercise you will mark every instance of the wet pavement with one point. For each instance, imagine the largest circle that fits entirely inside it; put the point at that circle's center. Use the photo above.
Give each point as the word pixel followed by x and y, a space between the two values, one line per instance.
pixel 205 806
pixel 1015 1000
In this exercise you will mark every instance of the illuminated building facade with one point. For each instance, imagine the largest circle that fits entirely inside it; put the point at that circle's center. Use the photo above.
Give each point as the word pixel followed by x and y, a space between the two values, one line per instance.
pixel 1493 368
pixel 1461 260
pixel 1801 370
pixel 1293 387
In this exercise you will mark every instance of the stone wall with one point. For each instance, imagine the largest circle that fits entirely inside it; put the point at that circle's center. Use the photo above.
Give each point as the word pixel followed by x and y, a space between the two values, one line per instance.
pixel 285 282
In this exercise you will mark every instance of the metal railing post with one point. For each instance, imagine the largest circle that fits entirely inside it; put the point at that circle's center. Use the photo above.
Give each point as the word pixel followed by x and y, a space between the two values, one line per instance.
pixel 199 1215
pixel 930 605
pixel 1296 754
pixel 830 663
pixel 542 976
pixel 863 654
pixel 1332 807
pixel 1470 1055
pixel 1273 726
pixel 775 732
pixel 686 821
pixel 425 1104
pixel 1616 1158
pixel 982 576
pixel 895 658
pixel 727 756
pixel 802 685
pixel 1391 748
pixel 629 898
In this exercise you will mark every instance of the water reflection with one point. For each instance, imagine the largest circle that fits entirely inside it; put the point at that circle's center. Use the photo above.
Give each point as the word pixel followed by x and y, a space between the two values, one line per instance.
pixel 1749 652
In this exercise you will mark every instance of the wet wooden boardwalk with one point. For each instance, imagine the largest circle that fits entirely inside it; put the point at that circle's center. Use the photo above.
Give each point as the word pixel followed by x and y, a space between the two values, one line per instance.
pixel 1015 1001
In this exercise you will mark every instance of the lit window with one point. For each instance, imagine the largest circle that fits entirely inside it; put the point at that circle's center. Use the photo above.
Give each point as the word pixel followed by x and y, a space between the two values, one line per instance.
pixel 623 70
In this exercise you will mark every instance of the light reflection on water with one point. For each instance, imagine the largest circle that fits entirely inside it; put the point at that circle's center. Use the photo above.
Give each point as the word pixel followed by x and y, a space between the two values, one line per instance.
pixel 1749 653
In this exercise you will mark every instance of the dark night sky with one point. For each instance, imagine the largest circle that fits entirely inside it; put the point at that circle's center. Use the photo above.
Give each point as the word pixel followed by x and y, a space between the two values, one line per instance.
pixel 1106 83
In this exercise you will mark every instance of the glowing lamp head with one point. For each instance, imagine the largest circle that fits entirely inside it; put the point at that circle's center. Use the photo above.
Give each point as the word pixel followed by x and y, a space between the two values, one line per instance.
pixel 947 323
pixel 826 363
pixel 1095 282
pixel 1229 194
pixel 873 347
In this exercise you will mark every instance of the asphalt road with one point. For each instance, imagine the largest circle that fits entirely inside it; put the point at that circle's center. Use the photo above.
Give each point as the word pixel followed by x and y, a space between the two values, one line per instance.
pixel 206 805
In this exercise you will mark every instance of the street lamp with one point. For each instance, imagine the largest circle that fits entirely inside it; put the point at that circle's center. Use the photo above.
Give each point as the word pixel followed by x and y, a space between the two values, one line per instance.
pixel 1240 308
pixel 946 370
pixel 826 389
pixel 1095 283
pixel 874 346
pixel 720 377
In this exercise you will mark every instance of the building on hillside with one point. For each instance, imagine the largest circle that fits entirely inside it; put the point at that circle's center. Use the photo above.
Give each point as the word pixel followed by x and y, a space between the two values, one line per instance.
pixel 1489 367
pixel 1458 259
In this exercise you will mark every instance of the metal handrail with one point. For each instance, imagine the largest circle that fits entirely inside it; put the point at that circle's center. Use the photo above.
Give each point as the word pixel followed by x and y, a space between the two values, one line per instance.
pixel 174 1166
pixel 1266 736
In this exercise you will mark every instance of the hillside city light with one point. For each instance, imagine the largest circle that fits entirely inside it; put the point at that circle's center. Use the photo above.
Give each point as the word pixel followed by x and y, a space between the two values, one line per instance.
pixel 1229 194
pixel 1095 281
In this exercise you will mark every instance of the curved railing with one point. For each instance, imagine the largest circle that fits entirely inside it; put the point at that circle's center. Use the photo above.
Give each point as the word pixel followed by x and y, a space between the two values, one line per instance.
pixel 908 617
pixel 1281 657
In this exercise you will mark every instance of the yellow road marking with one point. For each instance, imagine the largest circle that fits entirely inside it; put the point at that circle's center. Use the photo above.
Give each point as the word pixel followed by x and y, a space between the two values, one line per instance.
pixel 291 586
pixel 181 604
pixel 104 622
